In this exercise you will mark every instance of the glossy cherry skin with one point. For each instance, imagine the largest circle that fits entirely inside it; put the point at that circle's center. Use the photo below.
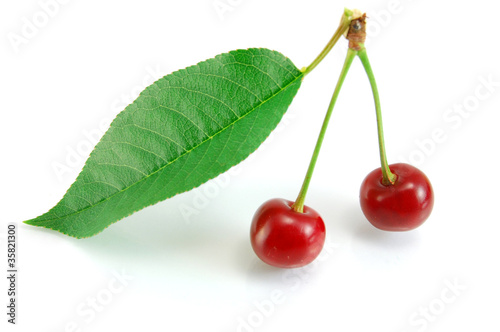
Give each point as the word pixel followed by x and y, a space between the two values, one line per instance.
pixel 403 206
pixel 285 238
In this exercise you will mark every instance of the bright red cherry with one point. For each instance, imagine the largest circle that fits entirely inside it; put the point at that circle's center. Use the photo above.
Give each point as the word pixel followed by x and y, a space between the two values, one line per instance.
pixel 401 206
pixel 283 237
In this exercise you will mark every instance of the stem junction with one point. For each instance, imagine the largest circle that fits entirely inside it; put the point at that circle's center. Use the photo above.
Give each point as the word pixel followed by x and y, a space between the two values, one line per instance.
pixel 345 21
pixel 354 25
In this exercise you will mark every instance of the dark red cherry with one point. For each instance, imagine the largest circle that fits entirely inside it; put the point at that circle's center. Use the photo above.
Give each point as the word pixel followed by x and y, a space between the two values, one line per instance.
pixel 283 237
pixel 401 206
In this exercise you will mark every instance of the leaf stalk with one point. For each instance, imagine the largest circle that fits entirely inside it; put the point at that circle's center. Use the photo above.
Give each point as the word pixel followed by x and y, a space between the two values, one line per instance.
pixel 345 22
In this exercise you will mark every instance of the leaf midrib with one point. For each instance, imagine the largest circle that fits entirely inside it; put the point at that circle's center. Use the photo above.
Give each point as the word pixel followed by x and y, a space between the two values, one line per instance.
pixel 183 154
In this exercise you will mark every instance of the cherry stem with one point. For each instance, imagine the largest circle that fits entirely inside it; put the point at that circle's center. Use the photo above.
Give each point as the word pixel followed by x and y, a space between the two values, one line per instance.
pixel 388 178
pixel 298 206
pixel 343 26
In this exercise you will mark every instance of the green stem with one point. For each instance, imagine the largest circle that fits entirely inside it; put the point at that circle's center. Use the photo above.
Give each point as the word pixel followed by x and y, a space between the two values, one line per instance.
pixel 389 178
pixel 343 26
pixel 298 206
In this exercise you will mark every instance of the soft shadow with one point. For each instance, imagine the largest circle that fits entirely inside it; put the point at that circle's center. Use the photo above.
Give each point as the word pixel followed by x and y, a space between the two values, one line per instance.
pixel 379 249
pixel 370 246
pixel 157 241
pixel 375 237
pixel 250 265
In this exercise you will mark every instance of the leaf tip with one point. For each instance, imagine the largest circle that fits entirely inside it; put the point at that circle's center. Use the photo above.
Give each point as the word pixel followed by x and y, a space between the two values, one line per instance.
pixel 30 222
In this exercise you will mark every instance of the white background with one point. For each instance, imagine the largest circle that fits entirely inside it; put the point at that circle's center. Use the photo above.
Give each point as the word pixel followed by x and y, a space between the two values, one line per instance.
pixel 84 64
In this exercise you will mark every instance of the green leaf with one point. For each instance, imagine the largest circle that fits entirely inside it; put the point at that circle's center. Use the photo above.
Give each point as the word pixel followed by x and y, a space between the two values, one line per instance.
pixel 184 129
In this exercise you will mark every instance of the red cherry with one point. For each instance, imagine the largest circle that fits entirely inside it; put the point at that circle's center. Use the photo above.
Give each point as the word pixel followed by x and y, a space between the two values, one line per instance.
pixel 285 238
pixel 402 206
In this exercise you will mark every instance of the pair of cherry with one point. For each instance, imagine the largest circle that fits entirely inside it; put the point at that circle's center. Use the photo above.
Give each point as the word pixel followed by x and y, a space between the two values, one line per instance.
pixel 396 197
